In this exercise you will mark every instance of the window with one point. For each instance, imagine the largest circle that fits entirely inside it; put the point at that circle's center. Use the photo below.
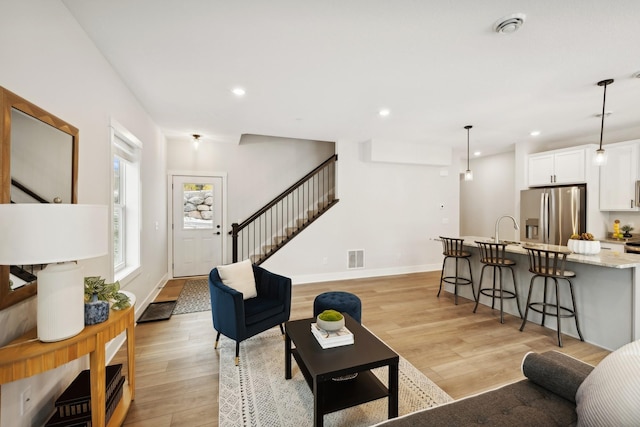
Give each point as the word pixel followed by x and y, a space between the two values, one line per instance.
pixel 126 150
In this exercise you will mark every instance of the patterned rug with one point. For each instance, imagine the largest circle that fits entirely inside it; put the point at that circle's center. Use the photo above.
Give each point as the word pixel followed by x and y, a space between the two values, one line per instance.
pixel 194 297
pixel 255 393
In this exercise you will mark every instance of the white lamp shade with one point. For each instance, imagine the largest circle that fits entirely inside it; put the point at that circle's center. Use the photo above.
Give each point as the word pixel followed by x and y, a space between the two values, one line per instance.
pixel 42 233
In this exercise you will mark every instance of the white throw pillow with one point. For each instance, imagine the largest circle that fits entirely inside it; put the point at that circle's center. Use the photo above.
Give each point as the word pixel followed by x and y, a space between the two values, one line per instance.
pixel 239 276
pixel 610 395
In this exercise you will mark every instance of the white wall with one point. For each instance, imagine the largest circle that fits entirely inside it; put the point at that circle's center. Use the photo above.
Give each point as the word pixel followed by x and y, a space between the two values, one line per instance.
pixel 490 195
pixel 391 211
pixel 48 59
pixel 258 168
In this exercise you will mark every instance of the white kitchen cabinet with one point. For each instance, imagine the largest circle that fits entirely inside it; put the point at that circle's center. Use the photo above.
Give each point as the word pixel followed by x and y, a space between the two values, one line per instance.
pixel 618 178
pixel 613 247
pixel 557 167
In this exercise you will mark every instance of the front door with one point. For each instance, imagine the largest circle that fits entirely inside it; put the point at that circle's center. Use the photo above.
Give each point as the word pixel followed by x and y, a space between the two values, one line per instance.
pixel 197 224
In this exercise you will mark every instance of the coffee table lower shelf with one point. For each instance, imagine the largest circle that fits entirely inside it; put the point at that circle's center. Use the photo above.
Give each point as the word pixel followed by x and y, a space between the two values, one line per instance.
pixel 338 395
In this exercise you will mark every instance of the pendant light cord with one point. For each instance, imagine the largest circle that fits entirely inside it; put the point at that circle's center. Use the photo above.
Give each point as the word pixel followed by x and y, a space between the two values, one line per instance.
pixel 467 128
pixel 604 83
pixel 604 100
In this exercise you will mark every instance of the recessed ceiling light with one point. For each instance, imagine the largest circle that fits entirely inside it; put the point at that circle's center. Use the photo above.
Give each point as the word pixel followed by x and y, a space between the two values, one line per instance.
pixel 477 153
pixel 384 112
pixel 238 91
pixel 535 133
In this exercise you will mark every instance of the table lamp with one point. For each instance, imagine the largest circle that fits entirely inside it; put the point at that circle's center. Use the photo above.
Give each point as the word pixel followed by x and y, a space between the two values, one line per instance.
pixel 57 235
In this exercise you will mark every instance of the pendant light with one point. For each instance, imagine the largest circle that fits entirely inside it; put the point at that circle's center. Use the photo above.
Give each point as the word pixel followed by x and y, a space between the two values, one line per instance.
pixel 468 175
pixel 196 140
pixel 600 158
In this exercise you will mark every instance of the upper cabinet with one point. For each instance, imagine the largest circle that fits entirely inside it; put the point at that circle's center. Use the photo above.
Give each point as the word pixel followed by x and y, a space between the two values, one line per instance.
pixel 618 178
pixel 557 167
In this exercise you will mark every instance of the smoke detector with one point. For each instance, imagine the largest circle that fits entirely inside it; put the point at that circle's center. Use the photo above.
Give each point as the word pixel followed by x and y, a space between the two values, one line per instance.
pixel 509 24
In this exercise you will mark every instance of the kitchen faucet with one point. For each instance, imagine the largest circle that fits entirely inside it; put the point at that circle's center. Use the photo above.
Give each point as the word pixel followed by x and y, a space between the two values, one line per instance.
pixel 515 226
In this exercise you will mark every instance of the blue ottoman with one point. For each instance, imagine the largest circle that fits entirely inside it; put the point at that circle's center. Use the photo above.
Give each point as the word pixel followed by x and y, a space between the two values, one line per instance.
pixel 343 302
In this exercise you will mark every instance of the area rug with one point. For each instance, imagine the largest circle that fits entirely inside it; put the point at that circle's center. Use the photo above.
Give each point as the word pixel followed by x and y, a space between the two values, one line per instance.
pixel 157 311
pixel 255 393
pixel 194 297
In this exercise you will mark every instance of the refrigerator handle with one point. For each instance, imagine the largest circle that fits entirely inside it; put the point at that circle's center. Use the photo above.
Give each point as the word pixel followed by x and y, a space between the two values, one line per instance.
pixel 544 216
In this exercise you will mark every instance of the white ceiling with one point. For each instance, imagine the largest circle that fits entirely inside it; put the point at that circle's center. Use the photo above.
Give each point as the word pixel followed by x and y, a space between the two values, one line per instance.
pixel 322 69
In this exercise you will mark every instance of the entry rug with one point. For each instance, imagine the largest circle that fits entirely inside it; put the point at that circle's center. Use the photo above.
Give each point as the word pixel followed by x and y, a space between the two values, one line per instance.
pixel 255 393
pixel 194 297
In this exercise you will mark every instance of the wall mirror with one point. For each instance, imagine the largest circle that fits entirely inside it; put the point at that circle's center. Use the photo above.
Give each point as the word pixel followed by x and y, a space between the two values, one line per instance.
pixel 39 159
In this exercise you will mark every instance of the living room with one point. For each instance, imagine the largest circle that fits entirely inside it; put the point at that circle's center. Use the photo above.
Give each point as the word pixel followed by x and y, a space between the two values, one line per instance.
pixel 392 210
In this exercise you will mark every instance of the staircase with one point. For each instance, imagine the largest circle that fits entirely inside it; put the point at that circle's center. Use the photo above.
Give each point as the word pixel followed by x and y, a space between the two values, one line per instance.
pixel 273 226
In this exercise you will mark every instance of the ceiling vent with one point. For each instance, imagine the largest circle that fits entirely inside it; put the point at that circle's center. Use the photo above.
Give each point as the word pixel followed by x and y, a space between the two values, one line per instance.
pixel 509 24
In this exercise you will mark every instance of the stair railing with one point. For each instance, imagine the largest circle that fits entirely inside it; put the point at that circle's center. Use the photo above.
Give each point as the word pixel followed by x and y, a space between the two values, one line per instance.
pixel 266 231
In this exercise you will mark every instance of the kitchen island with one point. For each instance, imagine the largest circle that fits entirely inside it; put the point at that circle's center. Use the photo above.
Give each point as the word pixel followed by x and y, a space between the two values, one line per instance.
pixel 606 288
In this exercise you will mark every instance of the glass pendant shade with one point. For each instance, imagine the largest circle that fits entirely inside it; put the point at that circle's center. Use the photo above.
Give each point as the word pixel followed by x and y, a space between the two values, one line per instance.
pixel 468 175
pixel 600 158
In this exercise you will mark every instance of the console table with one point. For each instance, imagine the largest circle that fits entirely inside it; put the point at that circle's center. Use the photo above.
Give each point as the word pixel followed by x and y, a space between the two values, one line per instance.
pixel 26 356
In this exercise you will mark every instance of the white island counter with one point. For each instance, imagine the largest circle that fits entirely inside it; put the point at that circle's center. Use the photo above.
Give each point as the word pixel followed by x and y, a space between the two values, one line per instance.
pixel 606 287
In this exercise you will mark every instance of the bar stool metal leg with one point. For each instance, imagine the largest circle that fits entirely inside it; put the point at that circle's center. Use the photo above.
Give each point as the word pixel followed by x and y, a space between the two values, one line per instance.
pixel 575 310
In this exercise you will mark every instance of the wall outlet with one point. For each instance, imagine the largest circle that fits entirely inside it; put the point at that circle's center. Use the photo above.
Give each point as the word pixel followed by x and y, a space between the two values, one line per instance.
pixel 25 401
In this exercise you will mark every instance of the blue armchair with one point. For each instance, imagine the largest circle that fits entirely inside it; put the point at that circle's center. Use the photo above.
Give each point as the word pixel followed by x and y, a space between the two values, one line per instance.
pixel 240 319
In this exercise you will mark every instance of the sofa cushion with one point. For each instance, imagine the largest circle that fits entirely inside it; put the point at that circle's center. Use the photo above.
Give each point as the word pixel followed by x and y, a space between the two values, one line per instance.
pixel 239 276
pixel 556 372
pixel 609 395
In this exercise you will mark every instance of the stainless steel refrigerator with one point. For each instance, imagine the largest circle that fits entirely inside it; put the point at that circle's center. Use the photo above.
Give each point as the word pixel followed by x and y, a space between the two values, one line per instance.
pixel 552 214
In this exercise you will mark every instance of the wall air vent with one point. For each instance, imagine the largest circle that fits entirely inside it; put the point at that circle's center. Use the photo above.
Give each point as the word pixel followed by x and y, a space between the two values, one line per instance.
pixel 355 259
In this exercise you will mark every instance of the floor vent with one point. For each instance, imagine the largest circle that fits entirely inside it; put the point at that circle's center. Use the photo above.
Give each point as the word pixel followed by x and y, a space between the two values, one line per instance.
pixel 356 258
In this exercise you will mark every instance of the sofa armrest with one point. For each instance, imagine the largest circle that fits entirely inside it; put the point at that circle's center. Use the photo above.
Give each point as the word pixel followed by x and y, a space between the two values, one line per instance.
pixel 556 372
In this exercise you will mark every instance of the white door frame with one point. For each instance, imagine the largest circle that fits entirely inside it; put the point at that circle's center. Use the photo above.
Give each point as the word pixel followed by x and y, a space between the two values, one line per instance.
pixel 223 226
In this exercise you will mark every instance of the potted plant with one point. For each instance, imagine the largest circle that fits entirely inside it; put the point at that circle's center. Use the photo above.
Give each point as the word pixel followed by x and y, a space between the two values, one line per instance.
pixel 627 230
pixel 97 297
pixel 330 320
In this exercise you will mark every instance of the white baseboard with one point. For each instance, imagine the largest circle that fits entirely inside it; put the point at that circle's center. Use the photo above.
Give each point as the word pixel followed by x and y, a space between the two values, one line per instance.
pixel 115 344
pixel 363 273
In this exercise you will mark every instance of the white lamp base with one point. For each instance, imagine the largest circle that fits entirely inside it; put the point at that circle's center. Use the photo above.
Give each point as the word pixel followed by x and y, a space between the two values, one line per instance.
pixel 60 302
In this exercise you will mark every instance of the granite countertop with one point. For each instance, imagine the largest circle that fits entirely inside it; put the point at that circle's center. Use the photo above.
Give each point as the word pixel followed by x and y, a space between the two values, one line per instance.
pixel 620 241
pixel 611 259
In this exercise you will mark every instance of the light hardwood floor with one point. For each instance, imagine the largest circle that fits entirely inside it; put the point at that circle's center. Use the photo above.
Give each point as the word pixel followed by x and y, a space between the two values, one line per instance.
pixel 464 353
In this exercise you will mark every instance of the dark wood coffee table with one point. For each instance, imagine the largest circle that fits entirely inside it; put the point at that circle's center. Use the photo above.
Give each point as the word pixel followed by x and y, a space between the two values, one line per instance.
pixel 320 366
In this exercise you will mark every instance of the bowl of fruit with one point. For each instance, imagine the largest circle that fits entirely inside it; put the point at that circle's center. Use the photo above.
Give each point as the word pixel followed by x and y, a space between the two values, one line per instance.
pixel 583 244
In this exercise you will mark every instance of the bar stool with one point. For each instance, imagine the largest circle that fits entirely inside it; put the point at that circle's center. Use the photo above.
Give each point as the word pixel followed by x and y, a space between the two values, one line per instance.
pixel 549 264
pixel 493 255
pixel 452 248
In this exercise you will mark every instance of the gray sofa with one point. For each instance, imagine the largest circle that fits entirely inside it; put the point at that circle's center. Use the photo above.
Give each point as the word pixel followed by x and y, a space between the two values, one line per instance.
pixel 545 398
pixel 558 391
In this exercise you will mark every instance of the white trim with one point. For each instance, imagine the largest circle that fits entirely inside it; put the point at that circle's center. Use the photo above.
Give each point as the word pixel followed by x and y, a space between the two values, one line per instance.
pixel 124 133
pixel 115 129
pixel 114 345
pixel 224 225
pixel 359 273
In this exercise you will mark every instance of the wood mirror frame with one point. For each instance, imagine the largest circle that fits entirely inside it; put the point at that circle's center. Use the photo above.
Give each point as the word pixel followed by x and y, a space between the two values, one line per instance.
pixel 9 102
